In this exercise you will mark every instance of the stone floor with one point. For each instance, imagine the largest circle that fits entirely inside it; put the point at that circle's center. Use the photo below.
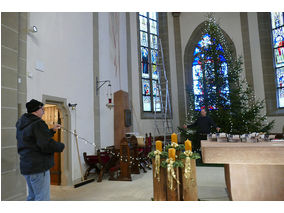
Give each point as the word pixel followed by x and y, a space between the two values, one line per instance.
pixel 210 181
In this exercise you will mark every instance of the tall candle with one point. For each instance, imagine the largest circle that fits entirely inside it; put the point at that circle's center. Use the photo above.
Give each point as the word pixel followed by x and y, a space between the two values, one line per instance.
pixel 174 138
pixel 187 145
pixel 172 153
pixel 159 145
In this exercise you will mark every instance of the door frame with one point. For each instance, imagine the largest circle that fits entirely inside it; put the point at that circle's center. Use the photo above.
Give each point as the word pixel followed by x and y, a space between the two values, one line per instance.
pixel 66 155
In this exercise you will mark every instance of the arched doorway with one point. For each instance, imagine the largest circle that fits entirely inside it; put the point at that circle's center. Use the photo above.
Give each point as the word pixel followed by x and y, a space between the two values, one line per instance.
pixel 56 111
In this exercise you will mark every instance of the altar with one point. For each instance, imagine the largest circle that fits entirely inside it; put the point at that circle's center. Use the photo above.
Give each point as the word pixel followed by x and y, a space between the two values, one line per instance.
pixel 253 171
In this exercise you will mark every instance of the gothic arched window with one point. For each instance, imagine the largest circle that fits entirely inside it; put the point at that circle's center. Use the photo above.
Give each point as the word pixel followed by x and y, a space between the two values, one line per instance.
pixel 278 52
pixel 149 32
pixel 197 71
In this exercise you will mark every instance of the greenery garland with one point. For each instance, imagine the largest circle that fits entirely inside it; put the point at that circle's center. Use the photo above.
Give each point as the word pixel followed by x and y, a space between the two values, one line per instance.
pixel 163 154
pixel 180 147
pixel 193 156
pixel 177 163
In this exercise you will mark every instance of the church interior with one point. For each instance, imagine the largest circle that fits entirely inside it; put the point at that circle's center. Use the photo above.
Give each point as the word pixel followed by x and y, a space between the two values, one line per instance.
pixel 123 85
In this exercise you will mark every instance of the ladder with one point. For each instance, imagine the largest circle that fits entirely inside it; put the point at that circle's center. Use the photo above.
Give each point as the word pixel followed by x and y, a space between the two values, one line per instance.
pixel 163 114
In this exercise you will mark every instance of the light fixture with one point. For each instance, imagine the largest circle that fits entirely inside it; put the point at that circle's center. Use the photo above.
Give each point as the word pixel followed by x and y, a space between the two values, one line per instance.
pixel 33 29
pixel 73 106
pixel 99 84
pixel 109 97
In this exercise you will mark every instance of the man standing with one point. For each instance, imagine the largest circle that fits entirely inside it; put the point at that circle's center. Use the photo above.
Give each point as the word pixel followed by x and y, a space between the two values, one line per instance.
pixel 36 149
pixel 203 125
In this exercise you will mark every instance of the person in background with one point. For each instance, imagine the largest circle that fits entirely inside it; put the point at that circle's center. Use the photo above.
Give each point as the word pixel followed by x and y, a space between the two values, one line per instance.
pixel 203 124
pixel 36 149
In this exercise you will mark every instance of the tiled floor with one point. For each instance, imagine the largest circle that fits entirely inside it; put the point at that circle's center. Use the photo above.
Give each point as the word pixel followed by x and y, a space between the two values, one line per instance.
pixel 210 181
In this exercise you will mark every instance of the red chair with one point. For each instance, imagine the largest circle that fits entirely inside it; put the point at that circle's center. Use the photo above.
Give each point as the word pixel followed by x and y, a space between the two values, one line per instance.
pixel 92 163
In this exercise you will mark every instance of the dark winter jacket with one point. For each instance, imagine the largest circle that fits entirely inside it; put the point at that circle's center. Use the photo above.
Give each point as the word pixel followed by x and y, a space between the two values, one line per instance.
pixel 203 124
pixel 35 145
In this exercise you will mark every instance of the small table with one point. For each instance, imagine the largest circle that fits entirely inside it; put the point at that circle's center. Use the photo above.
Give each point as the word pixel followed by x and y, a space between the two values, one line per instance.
pixel 253 171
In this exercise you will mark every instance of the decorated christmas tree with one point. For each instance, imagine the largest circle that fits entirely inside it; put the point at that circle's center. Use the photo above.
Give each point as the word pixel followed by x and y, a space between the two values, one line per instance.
pixel 219 88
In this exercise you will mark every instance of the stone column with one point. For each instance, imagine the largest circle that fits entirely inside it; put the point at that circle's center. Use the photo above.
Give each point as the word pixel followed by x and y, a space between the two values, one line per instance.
pixel 14 94
pixel 179 68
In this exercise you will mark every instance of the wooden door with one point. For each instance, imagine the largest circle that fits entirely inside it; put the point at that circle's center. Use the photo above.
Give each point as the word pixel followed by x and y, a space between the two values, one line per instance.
pixel 55 171
pixel 52 116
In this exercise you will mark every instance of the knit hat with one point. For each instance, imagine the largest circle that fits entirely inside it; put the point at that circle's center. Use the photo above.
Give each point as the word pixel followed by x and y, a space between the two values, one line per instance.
pixel 33 105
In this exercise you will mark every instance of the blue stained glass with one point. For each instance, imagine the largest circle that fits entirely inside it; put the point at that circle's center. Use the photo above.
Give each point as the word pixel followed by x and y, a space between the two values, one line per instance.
pixel 278 37
pixel 276 19
pixel 225 96
pixel 198 101
pixel 146 103
pixel 155 74
pixel 197 50
pixel 153 27
pixel 144 55
pixel 197 70
pixel 155 89
pixel 148 26
pixel 279 56
pixel 144 39
pixel 205 41
pixel 226 87
pixel 144 64
pixel 197 73
pixel 154 41
pixel 280 77
pixel 219 47
pixel 196 61
pixel 281 97
pixel 146 87
pixel 222 58
pixel 154 55
pixel 197 87
pixel 143 23
pixel 224 69
pixel 277 23
pixel 145 70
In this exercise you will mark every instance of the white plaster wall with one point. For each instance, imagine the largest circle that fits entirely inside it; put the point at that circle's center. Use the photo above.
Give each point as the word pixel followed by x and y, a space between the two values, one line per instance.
pixel 118 80
pixel 63 45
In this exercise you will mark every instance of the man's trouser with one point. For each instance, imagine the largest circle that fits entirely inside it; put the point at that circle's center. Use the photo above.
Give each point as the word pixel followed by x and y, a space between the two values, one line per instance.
pixel 197 142
pixel 38 186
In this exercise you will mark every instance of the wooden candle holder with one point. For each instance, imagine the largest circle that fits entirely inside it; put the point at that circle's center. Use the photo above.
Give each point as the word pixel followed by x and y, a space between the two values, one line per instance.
pixel 174 195
pixel 189 186
pixel 160 187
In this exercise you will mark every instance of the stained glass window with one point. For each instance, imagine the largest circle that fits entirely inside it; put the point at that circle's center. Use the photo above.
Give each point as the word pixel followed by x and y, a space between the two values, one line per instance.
pixel 155 88
pixel 144 39
pixel 148 31
pixel 277 24
pixel 157 104
pixel 153 27
pixel 205 42
pixel 154 41
pixel 154 72
pixel 146 87
pixel 147 104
